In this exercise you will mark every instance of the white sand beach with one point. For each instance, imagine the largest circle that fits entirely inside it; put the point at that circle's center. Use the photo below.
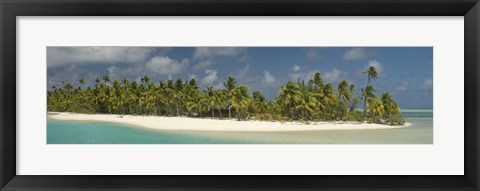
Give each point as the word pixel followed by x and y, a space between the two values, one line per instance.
pixel 199 124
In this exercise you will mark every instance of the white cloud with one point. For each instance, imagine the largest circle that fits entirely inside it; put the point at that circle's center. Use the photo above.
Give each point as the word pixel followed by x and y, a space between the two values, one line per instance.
pixel 165 65
pixel 58 56
pixel 113 71
pixel 203 64
pixel 295 72
pixel 295 68
pixel 268 78
pixel 402 87
pixel 192 76
pixel 427 87
pixel 357 54
pixel 243 78
pixel 334 75
pixel 210 52
pixel 210 78
pixel 427 84
pixel 118 72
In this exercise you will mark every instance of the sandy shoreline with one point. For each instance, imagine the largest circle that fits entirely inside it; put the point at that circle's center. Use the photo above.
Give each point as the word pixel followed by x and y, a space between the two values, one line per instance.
pixel 197 124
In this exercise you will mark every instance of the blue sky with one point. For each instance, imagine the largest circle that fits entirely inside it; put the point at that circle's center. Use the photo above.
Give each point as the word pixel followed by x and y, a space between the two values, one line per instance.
pixel 404 72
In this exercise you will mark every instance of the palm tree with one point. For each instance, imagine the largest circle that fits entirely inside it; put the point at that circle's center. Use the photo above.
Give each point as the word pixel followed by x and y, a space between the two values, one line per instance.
pixel 198 103
pixel 296 100
pixel 344 93
pixel 372 75
pixel 376 107
pixel 318 81
pixel 136 95
pixel 219 100
pixel 367 94
pixel 352 89
pixel 330 102
pixel 130 99
pixel 170 94
pixel 241 101
pixel 189 91
pixel 82 82
pixel 68 87
pixel 178 94
pixel 328 95
pixel 106 79
pixel 353 103
pixel 81 92
pixel 125 83
pixel 230 86
pixel 193 84
pixel 290 96
pixel 145 80
pixel 390 106
pixel 307 106
pixel 117 94
pixel 260 102
pixel 151 98
pixel 209 94
pixel 202 104
pixel 344 96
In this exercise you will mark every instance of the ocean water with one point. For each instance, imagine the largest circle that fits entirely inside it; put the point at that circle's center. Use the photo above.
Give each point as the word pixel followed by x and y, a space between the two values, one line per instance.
pixel 90 132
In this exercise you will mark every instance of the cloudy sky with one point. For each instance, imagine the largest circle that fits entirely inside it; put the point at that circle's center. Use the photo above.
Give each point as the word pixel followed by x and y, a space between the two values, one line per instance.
pixel 406 72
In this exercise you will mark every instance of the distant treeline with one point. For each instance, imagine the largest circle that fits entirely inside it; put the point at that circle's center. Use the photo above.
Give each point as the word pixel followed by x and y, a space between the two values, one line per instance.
pixel 304 101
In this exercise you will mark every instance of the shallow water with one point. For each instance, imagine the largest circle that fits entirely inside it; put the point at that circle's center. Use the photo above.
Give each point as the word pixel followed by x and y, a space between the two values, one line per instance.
pixel 83 132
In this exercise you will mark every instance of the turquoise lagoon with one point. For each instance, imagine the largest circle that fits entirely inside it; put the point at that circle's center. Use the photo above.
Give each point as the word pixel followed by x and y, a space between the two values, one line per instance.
pixel 91 132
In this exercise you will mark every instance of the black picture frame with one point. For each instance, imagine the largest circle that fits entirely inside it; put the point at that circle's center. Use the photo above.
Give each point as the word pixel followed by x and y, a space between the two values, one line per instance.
pixel 10 9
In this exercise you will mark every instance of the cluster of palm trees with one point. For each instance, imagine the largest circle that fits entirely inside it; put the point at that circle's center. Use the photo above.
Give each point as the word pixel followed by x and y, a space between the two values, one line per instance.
pixel 310 101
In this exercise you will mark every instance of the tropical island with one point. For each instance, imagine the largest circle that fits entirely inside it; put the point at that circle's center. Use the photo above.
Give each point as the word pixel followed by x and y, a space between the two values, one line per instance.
pixel 311 102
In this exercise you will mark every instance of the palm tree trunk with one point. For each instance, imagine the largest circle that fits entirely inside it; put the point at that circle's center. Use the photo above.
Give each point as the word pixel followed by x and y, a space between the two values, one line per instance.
pixel 213 115
pixel 169 110
pixel 229 112
pixel 365 105
pixel 178 114
pixel 219 111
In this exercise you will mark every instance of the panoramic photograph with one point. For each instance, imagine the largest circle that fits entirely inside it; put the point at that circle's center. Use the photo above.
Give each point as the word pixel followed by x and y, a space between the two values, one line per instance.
pixel 239 95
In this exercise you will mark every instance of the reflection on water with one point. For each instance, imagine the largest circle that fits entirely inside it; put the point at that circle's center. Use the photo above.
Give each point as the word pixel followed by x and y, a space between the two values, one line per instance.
pixel 78 132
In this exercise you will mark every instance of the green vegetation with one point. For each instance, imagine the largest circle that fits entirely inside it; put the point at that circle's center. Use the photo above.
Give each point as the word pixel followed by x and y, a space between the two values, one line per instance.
pixel 311 101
